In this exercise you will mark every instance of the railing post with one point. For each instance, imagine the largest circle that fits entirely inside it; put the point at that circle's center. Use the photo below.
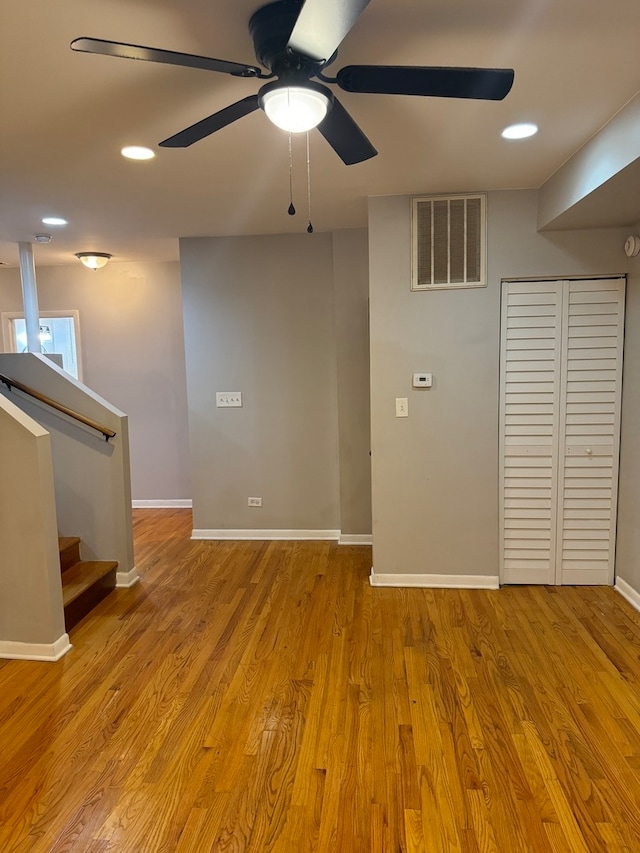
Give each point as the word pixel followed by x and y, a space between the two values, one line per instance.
pixel 30 297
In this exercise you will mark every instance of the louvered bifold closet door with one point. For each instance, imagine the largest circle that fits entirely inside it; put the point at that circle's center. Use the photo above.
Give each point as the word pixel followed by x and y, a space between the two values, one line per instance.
pixel 529 425
pixel 593 329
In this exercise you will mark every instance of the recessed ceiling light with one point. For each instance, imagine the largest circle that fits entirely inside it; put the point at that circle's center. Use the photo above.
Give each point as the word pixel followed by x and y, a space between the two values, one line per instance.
pixel 137 152
pixel 54 220
pixel 520 131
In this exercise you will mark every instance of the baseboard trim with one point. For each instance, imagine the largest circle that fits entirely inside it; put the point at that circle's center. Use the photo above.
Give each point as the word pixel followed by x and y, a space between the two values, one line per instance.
pixel 10 650
pixel 627 591
pixel 179 503
pixel 265 534
pixel 355 539
pixel 125 580
pixel 437 581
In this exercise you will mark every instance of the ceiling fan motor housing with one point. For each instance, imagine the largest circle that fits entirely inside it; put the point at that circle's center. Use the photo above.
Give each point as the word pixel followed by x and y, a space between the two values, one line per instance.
pixel 270 29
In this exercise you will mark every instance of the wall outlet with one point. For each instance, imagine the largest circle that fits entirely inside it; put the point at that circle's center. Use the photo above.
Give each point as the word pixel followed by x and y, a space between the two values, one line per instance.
pixel 228 399
pixel 254 501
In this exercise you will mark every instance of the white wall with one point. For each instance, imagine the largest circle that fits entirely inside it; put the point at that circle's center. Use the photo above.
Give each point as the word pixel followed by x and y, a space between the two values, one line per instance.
pixel 133 356
pixel 435 473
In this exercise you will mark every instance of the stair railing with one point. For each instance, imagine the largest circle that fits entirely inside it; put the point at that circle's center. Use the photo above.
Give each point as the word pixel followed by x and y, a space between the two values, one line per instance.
pixel 12 383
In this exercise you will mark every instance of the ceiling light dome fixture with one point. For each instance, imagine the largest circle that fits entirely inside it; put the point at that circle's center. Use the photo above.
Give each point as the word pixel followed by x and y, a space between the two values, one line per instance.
pixel 93 260
pixel 296 107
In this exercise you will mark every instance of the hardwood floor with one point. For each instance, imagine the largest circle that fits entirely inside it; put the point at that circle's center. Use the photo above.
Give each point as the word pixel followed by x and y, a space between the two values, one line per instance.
pixel 263 697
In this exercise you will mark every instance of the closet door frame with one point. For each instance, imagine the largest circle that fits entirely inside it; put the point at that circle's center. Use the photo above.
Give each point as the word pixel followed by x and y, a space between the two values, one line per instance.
pixel 554 573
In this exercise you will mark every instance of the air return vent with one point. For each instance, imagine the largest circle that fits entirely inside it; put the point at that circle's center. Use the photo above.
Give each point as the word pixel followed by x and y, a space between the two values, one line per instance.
pixel 448 242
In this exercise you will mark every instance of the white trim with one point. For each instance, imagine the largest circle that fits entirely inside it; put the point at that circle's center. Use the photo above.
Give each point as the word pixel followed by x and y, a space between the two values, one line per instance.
pixel 124 580
pixel 627 591
pixel 442 581
pixel 355 539
pixel 177 503
pixel 265 534
pixel 35 651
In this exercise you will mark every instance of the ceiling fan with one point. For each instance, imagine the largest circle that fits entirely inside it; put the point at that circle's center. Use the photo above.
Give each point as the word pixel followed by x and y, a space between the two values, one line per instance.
pixel 295 40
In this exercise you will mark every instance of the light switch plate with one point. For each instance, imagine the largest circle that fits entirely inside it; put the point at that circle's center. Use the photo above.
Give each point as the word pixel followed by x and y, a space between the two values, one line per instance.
pixel 228 399
pixel 402 407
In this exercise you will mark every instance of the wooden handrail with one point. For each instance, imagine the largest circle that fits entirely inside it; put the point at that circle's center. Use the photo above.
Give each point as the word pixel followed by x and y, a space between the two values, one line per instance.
pixel 12 383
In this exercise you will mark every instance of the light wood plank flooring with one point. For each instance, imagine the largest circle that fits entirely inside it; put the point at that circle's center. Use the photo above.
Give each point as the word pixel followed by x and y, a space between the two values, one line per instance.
pixel 263 697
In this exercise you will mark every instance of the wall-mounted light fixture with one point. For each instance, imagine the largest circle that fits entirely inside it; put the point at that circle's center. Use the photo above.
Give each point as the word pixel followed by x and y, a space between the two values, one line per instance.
pixel 93 260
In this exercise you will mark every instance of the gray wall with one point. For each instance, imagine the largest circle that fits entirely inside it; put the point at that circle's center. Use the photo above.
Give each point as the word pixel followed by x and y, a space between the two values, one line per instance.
pixel 435 473
pixel 259 315
pixel 92 476
pixel 263 318
pixel 29 556
pixel 351 304
pixel 628 542
pixel 295 330
pixel 133 356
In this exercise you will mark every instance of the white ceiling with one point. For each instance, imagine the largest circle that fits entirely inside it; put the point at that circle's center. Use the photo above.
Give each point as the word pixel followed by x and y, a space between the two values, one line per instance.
pixel 64 117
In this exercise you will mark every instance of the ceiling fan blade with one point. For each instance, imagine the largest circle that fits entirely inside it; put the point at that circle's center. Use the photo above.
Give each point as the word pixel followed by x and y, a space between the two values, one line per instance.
pixel 168 57
pixel 209 125
pixel 344 136
pixel 322 25
pixel 492 84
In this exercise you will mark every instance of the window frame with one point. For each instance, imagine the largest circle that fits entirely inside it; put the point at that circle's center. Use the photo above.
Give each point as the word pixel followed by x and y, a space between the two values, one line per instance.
pixel 8 331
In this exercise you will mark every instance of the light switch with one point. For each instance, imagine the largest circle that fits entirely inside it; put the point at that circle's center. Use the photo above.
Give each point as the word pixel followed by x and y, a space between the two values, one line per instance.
pixel 402 407
pixel 228 399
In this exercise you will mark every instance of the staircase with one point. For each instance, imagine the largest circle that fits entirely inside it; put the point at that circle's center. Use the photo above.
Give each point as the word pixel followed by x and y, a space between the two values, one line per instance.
pixel 84 582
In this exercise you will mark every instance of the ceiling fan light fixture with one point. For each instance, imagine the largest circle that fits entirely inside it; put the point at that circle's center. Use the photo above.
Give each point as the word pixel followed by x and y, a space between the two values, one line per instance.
pixel 295 108
pixel 93 260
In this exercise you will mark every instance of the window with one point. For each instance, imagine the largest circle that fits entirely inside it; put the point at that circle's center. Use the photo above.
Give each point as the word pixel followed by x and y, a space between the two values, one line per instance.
pixel 59 336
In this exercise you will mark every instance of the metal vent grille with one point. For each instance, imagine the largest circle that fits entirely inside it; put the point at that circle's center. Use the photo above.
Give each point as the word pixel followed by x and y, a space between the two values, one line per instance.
pixel 448 237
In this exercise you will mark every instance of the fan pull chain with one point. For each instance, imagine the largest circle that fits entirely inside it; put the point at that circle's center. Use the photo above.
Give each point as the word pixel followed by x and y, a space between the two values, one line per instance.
pixel 309 226
pixel 291 210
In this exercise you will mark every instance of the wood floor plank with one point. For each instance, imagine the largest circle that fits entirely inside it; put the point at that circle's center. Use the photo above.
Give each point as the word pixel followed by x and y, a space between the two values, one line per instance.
pixel 262 696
